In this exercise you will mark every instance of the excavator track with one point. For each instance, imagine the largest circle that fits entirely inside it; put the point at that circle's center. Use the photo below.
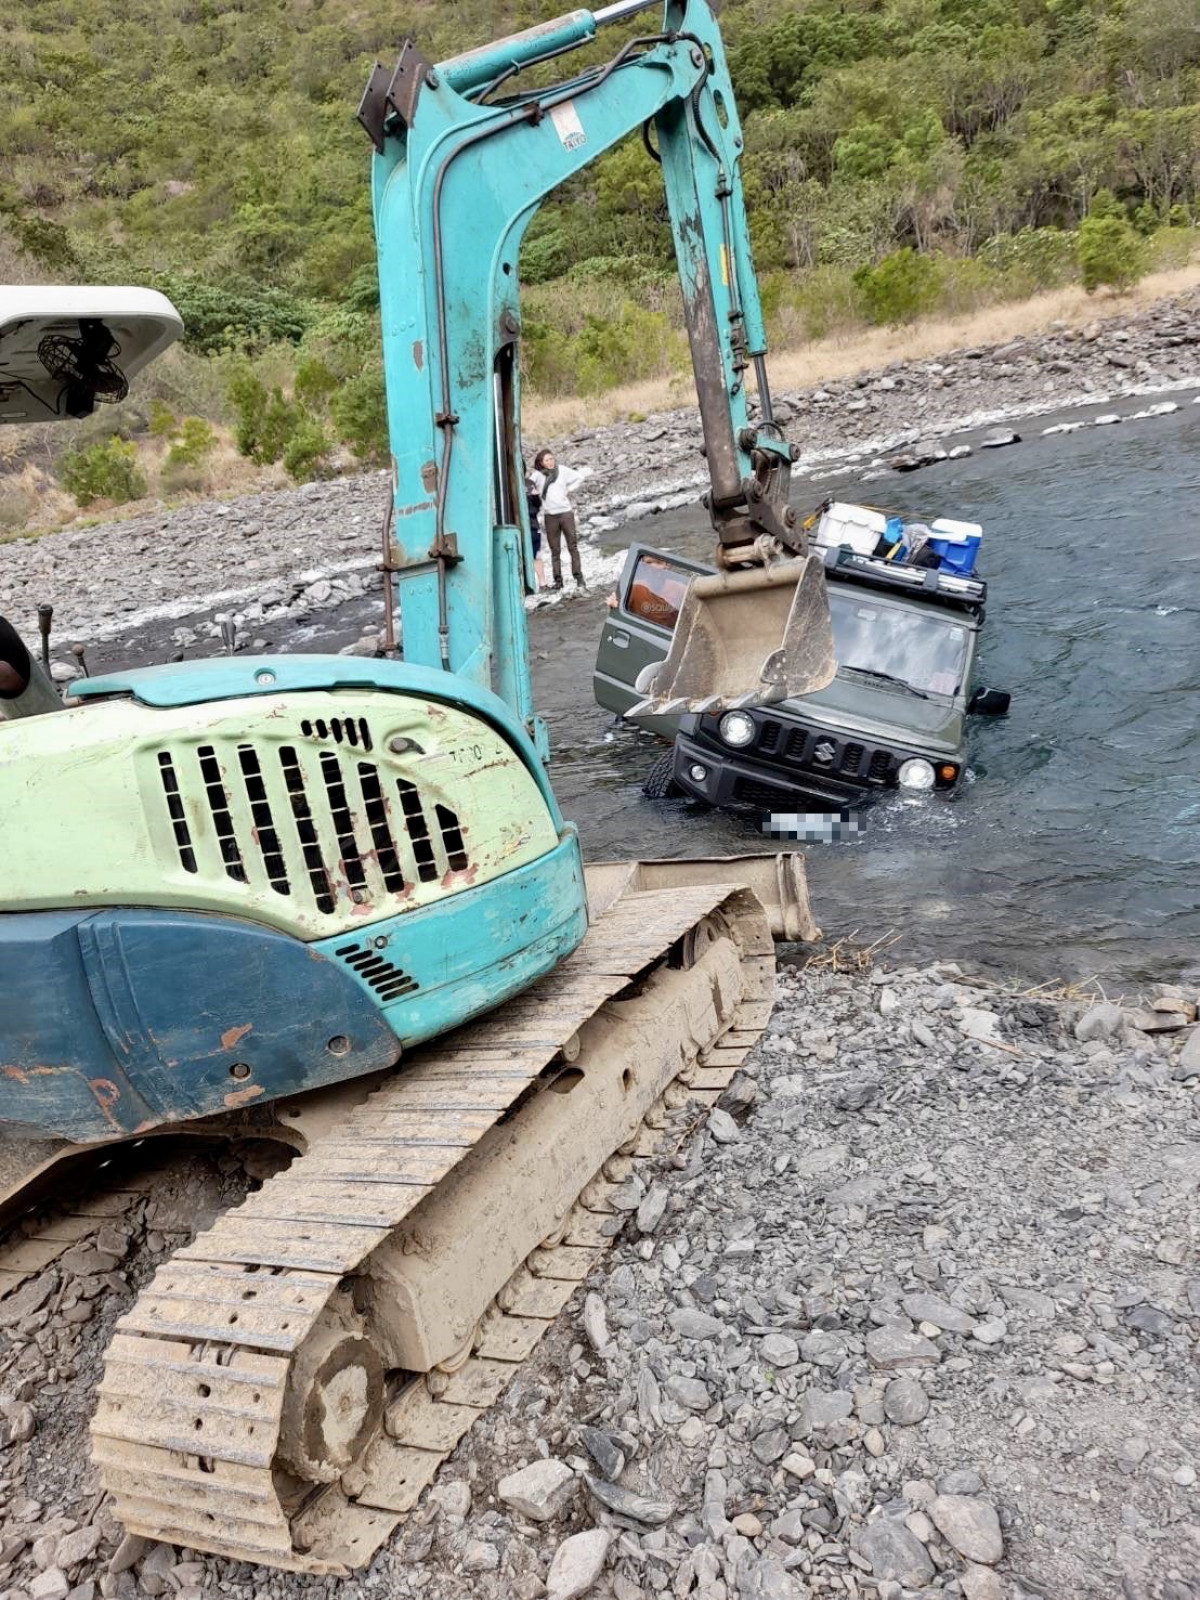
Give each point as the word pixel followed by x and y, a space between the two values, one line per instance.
pixel 250 1405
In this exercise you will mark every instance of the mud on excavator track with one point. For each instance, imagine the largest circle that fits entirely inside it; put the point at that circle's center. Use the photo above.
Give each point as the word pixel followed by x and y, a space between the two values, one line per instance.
pixel 288 1384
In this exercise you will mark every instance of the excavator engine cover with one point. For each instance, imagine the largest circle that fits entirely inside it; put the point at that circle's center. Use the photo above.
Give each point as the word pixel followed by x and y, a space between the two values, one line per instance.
pixel 745 638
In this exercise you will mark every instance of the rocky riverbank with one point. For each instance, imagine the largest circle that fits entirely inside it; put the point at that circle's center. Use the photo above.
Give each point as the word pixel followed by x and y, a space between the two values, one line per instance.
pixel 914 1316
pixel 275 560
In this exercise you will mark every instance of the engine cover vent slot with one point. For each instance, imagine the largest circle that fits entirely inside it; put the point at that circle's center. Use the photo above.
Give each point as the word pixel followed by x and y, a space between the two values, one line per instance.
pixel 354 731
pixel 218 805
pixel 175 810
pixel 265 835
pixel 306 828
pixel 343 821
pixel 388 980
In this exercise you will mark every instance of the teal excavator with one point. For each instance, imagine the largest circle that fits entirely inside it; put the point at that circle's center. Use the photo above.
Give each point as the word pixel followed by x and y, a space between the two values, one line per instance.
pixel 332 902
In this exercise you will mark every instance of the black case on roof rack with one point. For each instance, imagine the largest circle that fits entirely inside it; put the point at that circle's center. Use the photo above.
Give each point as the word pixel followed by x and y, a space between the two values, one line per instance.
pixel 925 583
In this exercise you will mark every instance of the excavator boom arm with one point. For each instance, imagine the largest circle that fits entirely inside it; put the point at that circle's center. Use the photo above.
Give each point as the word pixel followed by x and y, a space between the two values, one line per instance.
pixel 457 179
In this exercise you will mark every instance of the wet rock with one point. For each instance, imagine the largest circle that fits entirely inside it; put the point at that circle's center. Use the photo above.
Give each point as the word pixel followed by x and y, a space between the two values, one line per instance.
pixel 604 1451
pixel 998 439
pixel 969 1525
pixel 1151 1320
pixel 453 1498
pixel 895 1347
pixel 689 1393
pixel 53 1584
pixel 595 1323
pixel 893 1552
pixel 1098 1022
pixel 694 1324
pixel 480 1556
pixel 627 1503
pixel 539 1491
pixel 77 1547
pixel 779 1350
pixel 653 1207
pixel 722 1126
pixel 128 1553
pixel 932 1308
pixel 577 1565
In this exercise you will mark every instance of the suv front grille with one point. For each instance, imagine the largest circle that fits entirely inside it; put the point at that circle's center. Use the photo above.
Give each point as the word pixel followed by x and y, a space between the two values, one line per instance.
pixel 824 754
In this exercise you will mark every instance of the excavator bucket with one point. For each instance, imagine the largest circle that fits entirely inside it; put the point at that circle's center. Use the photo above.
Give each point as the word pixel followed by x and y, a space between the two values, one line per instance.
pixel 745 638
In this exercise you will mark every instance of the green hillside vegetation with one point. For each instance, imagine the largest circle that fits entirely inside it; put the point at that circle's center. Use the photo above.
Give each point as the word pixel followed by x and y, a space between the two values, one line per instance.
pixel 902 157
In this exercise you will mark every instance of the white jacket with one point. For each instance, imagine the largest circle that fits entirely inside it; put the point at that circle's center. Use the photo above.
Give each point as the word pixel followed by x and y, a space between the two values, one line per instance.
pixel 556 496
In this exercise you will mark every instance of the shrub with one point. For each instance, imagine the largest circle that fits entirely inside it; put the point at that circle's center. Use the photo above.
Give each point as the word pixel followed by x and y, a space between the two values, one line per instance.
pixel 106 470
pixel 315 382
pixel 359 413
pixel 1110 252
pixel 163 421
pixel 266 418
pixel 306 449
pixel 899 287
pixel 193 440
pixel 638 344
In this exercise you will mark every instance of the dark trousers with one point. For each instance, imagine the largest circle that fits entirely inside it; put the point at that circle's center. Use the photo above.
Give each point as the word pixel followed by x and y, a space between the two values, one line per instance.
pixel 561 525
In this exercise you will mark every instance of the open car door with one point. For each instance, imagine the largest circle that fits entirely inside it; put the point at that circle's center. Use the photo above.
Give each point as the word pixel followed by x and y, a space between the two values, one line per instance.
pixel 638 629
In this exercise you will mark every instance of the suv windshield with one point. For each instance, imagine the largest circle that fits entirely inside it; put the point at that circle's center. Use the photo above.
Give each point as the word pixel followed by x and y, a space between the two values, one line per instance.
pixel 925 652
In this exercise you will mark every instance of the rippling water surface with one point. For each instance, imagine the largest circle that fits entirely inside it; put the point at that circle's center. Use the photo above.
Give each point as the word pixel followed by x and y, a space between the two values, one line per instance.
pixel 1074 848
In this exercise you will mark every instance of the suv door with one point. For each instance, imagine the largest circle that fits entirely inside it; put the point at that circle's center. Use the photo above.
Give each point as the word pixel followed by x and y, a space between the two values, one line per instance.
pixel 637 630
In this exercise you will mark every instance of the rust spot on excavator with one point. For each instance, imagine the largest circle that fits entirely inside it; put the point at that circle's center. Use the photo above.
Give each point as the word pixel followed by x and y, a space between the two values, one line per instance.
pixel 242 1097
pixel 418 354
pixel 232 1036
pixel 429 477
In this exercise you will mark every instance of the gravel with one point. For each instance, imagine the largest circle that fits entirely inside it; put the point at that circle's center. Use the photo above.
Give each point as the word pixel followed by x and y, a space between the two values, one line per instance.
pixel 957 1362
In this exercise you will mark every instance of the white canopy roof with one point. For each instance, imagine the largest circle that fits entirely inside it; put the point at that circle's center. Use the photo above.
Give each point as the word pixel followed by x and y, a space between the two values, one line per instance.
pixel 141 321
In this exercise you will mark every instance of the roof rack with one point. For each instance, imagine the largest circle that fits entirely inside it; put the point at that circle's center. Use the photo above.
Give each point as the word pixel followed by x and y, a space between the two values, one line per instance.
pixel 924 583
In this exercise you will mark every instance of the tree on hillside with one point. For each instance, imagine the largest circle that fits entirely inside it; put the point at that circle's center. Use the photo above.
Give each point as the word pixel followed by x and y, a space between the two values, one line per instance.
pixel 1110 253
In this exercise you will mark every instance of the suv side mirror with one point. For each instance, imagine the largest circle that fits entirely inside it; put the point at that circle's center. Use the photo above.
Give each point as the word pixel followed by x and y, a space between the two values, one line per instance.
pixel 990 702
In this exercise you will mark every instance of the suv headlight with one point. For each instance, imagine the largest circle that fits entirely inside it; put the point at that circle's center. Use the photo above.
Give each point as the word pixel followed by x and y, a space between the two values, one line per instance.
pixel 737 729
pixel 916 774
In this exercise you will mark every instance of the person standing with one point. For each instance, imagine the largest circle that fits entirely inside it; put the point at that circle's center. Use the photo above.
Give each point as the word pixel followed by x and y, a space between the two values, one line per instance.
pixel 533 500
pixel 554 483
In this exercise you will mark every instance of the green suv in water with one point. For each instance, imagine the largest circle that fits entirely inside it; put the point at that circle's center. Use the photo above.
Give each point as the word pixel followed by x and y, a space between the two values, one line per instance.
pixel 894 716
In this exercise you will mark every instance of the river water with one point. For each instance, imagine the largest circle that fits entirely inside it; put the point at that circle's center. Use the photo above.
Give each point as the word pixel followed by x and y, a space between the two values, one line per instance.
pixel 1073 848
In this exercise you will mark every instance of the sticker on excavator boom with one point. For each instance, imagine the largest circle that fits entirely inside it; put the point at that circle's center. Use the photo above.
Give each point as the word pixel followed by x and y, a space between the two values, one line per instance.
pixel 568 126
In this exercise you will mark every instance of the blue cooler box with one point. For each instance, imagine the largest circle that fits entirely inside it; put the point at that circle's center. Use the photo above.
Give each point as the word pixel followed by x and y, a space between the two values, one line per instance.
pixel 956 545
